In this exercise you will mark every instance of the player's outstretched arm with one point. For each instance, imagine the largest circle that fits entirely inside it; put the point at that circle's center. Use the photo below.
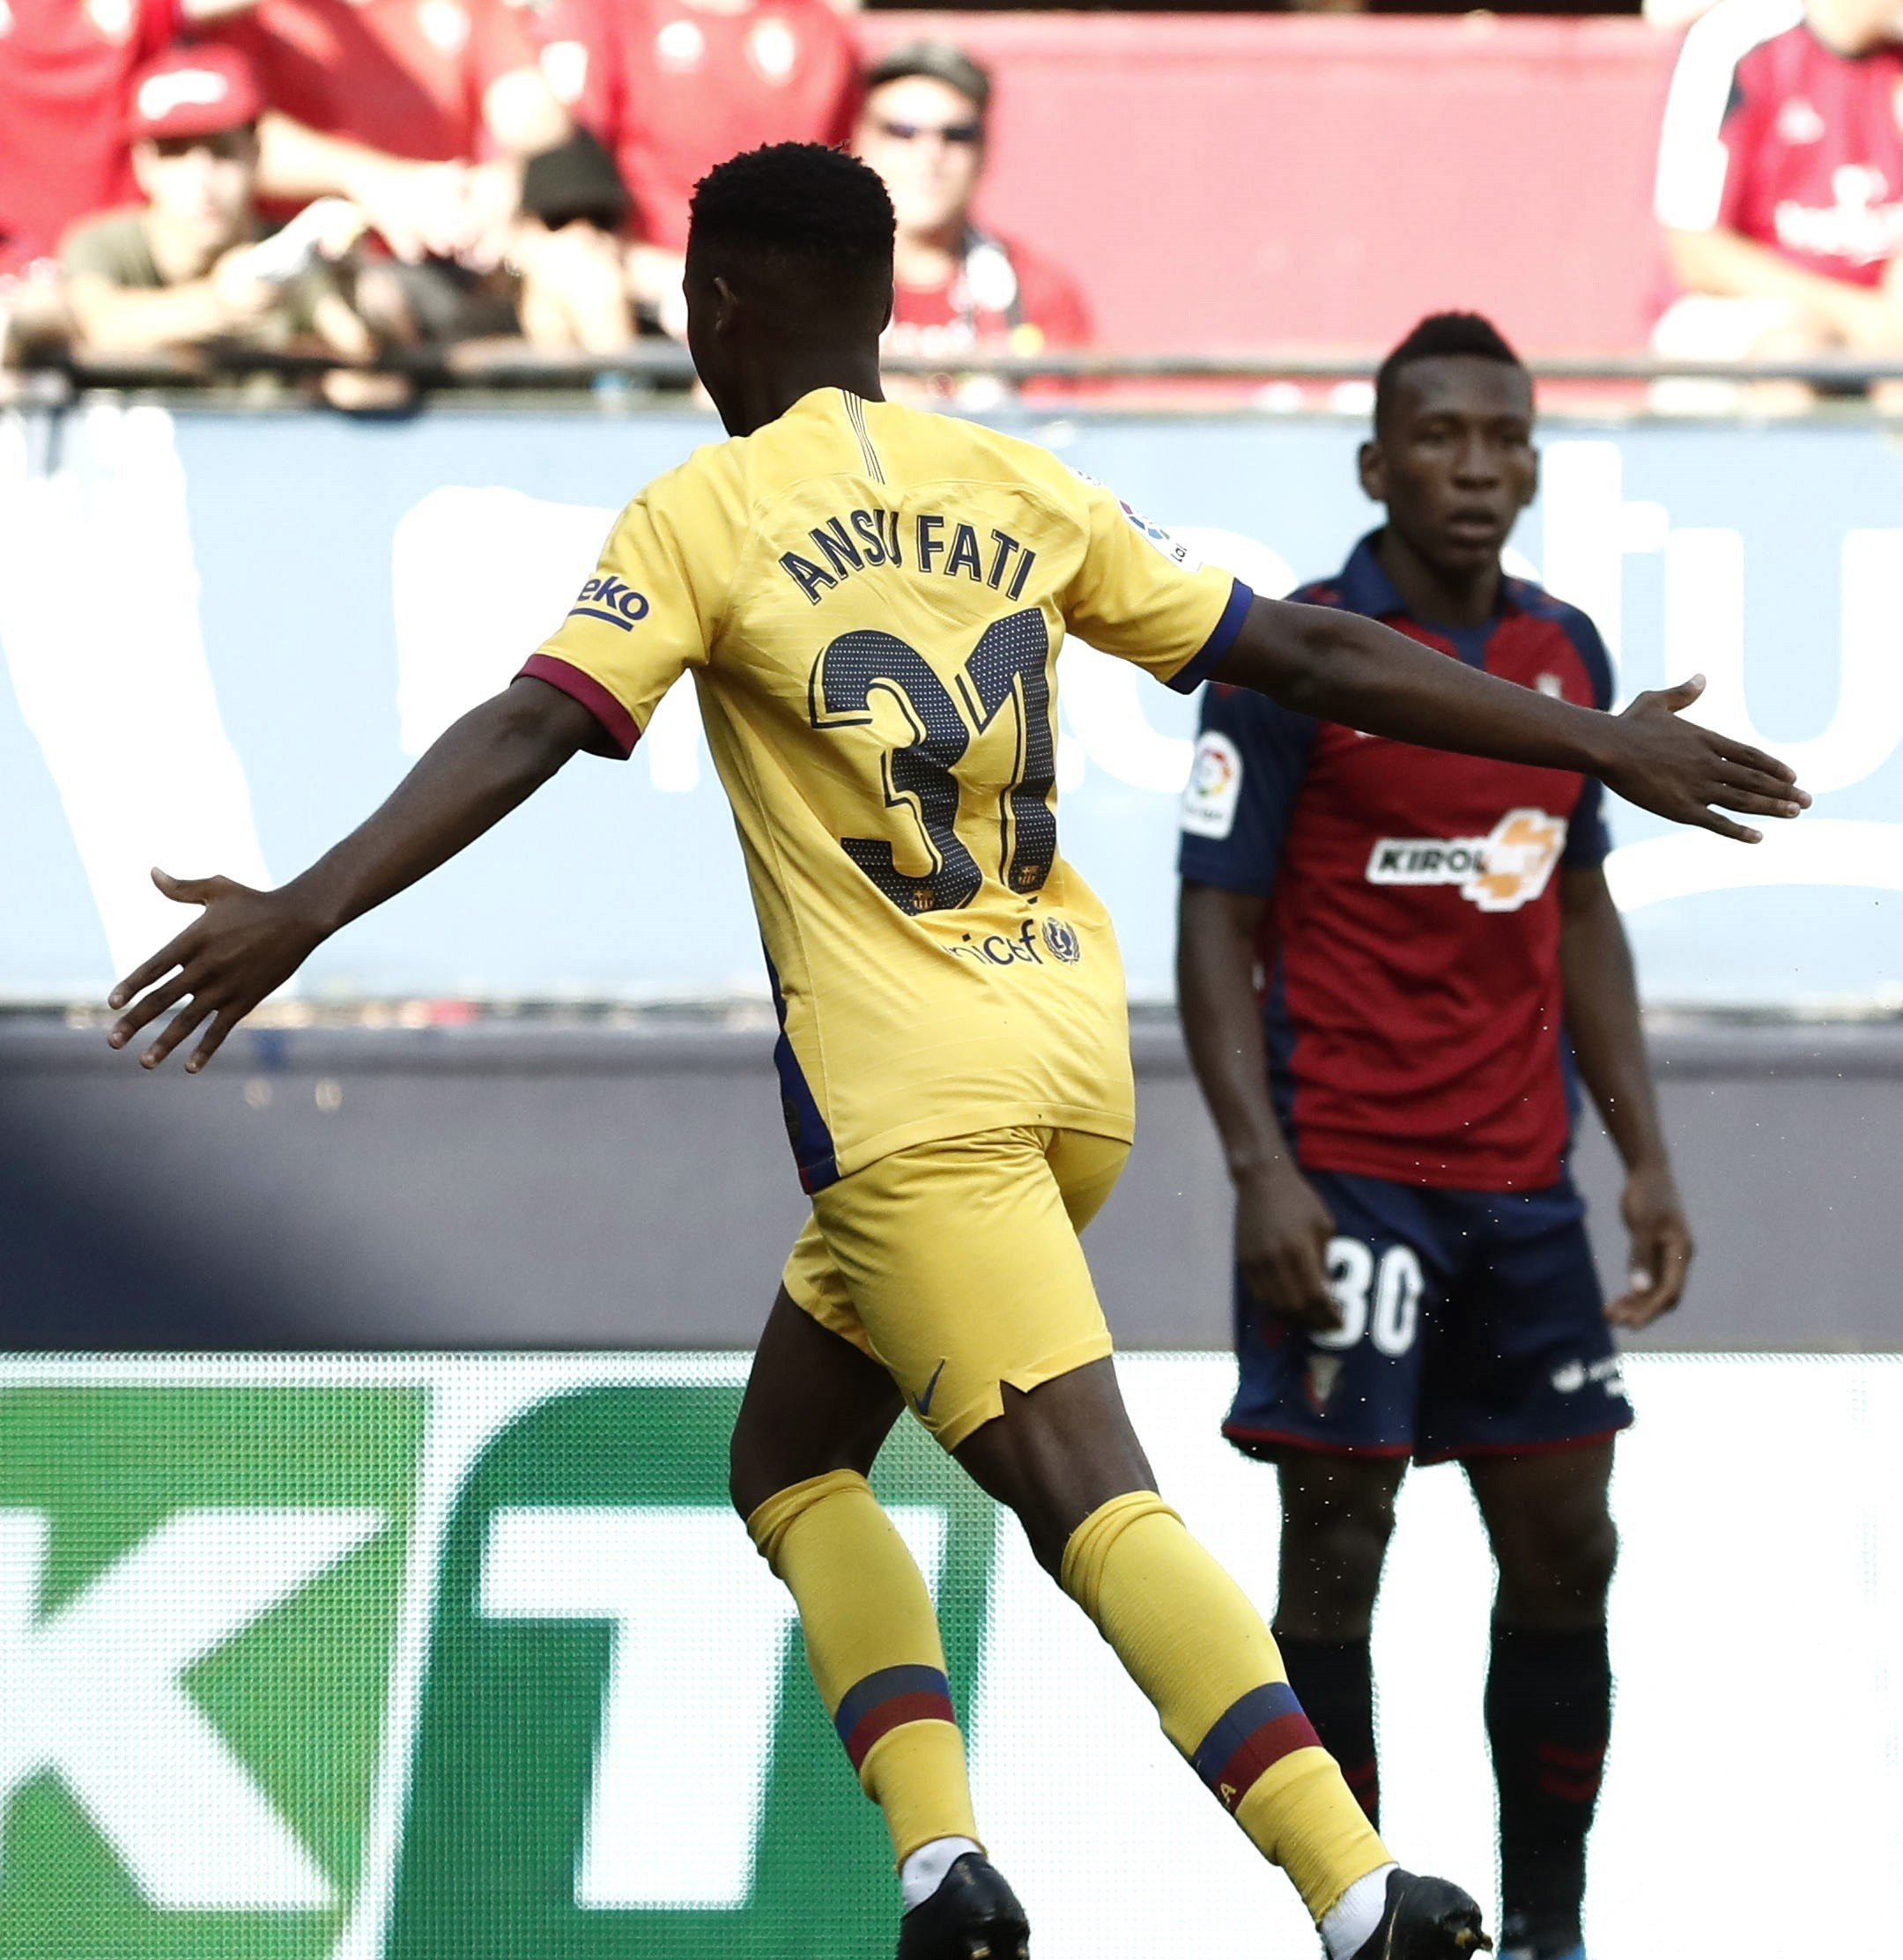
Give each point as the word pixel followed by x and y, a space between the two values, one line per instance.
pixel 245 944
pixel 1342 668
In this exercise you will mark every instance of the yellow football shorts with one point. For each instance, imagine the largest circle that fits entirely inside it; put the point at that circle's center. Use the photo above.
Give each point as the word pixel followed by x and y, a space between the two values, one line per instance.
pixel 956 1266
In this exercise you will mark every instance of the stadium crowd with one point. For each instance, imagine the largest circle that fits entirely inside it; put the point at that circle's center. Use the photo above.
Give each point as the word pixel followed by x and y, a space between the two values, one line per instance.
pixel 346 179
pixel 343 177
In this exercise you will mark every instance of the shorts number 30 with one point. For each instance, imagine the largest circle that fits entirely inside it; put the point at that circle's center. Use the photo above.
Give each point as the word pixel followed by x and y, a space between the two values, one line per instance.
pixel 1379 1296
pixel 1010 664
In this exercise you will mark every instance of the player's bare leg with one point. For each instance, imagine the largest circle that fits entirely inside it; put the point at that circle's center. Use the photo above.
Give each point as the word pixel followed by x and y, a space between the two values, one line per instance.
pixel 1066 1459
pixel 1337 1516
pixel 815 1413
pixel 1550 1686
pixel 814 1404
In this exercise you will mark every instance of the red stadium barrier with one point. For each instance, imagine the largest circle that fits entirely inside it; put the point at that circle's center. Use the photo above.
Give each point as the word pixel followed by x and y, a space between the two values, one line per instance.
pixel 1214 181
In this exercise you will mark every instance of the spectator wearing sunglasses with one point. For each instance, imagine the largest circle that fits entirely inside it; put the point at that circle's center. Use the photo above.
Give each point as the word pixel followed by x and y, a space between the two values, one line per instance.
pixel 960 288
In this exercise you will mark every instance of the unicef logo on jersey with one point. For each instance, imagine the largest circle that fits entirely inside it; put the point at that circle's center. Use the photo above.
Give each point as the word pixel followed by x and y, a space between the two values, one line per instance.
pixel 1062 939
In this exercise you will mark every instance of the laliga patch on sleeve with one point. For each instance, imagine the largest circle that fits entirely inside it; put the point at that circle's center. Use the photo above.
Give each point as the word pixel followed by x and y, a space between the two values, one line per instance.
pixel 1215 787
pixel 1172 548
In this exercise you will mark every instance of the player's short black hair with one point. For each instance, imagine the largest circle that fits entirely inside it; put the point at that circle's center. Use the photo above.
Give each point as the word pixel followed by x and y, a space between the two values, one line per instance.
pixel 798 208
pixel 1438 335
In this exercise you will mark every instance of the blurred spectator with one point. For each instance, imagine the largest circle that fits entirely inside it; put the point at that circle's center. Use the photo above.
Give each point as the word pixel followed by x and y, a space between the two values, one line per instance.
pixel 674 86
pixel 191 264
pixel 63 70
pixel 565 252
pixel 426 113
pixel 959 287
pixel 1779 185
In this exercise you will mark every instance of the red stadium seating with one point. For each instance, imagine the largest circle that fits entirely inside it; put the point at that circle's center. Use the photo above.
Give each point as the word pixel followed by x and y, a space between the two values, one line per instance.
pixel 1217 182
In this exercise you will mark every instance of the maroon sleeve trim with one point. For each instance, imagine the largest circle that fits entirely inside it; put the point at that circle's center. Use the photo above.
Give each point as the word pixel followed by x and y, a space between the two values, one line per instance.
pixel 592 695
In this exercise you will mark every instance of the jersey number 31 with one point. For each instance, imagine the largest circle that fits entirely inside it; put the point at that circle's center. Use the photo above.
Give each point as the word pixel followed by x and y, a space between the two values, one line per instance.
pixel 1010 663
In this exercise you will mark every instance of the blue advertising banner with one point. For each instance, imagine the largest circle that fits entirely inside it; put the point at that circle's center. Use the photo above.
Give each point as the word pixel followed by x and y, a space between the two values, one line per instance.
pixel 225 635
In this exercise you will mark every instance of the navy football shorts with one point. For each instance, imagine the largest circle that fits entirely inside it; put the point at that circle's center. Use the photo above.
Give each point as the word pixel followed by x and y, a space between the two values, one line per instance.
pixel 1472 1324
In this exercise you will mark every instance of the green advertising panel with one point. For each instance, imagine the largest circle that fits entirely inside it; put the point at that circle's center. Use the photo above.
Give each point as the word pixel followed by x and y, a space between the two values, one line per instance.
pixel 605 1633
pixel 569 1707
pixel 467 1658
pixel 198 1587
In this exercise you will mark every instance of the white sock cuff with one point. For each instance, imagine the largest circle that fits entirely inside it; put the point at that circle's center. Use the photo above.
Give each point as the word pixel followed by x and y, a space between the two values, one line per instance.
pixel 1349 1924
pixel 924 1871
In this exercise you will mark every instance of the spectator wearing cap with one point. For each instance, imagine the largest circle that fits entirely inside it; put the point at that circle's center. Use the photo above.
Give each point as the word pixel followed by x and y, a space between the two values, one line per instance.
pixel 63 73
pixel 192 263
pixel 1779 187
pixel 673 88
pixel 960 288
pixel 64 70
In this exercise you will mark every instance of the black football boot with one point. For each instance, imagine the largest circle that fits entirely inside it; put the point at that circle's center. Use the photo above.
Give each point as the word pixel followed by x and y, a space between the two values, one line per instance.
pixel 973 1915
pixel 1425 1918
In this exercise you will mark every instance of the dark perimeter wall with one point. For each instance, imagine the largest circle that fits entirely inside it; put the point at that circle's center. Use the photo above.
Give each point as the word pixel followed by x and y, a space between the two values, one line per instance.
pixel 506 1185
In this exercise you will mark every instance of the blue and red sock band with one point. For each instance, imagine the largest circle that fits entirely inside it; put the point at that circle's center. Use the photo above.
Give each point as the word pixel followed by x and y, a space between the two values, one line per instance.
pixel 1572 1775
pixel 1258 1731
pixel 872 1708
pixel 1363 1779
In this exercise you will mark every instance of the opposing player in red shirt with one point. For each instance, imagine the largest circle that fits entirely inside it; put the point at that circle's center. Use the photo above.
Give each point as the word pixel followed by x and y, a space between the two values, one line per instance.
pixel 959 288
pixel 672 88
pixel 1437 948
pixel 1780 186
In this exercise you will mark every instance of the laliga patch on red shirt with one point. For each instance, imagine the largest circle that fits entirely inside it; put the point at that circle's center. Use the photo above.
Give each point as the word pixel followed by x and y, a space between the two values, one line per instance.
pixel 1215 787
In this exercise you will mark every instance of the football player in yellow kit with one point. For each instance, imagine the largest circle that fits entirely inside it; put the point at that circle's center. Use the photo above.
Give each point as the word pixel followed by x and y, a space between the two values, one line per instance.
pixel 871 600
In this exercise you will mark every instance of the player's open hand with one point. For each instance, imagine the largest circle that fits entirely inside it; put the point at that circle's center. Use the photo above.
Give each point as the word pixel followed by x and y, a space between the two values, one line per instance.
pixel 1661 1248
pixel 1676 769
pixel 243 946
pixel 1282 1235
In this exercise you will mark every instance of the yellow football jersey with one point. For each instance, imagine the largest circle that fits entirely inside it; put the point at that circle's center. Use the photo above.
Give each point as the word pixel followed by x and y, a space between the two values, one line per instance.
pixel 871 600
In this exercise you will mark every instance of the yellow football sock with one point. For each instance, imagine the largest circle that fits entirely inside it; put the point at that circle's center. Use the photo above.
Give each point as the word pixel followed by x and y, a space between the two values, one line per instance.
pixel 872 1643
pixel 1194 1644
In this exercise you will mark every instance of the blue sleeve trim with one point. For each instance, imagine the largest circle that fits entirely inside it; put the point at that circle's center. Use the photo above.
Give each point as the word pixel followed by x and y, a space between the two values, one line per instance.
pixel 1191 677
pixel 1588 843
pixel 1588 840
pixel 1592 652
